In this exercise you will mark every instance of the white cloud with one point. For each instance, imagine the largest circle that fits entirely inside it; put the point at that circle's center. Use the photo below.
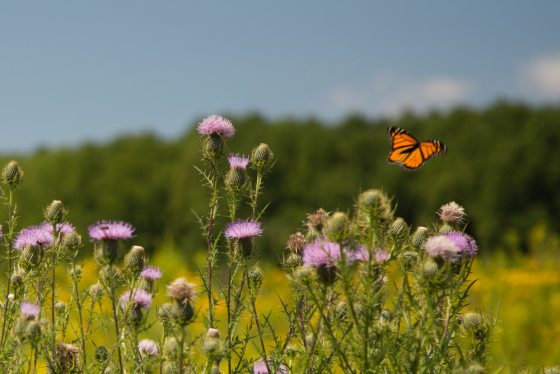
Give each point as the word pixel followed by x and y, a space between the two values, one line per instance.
pixel 543 75
pixel 389 94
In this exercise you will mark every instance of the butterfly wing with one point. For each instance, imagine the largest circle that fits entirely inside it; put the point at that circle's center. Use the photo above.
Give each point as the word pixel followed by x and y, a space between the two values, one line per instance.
pixel 408 152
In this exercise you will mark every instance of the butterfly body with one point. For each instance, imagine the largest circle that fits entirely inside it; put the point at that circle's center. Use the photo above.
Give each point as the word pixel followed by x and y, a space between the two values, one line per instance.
pixel 409 152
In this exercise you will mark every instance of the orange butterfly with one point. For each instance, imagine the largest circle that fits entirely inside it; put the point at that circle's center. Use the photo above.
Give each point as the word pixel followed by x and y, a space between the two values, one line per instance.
pixel 409 152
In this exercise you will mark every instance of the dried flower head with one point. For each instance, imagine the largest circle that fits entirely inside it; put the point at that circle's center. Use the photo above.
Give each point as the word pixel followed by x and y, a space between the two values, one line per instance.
pixel 241 229
pixel 259 367
pixel 451 213
pixel 29 310
pixel 216 125
pixel 238 161
pixel 181 291
pixel 151 273
pixel 148 348
pixel 111 230
pixel 66 356
pixel 141 298
pixel 316 220
pixel 296 242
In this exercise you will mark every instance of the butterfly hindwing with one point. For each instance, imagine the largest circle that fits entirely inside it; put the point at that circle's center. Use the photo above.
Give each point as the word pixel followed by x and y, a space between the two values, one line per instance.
pixel 410 153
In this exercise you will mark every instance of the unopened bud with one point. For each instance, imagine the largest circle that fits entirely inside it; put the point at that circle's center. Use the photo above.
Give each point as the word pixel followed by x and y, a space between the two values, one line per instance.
pixel 101 354
pixel 135 259
pixel 72 240
pixel 336 225
pixel 262 156
pixel 398 227
pixel 419 236
pixel 430 268
pixel 12 174
pixel 408 260
pixel 55 212
pixel 60 307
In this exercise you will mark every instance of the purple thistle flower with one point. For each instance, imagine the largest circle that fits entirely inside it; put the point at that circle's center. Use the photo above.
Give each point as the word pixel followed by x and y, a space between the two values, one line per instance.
pixel 442 246
pixel 216 125
pixel 362 254
pixel 151 273
pixel 243 229
pixel 259 367
pixel 321 253
pixel 466 244
pixel 148 348
pixel 29 310
pixel 63 228
pixel 142 299
pixel 33 236
pixel 110 230
pixel 238 161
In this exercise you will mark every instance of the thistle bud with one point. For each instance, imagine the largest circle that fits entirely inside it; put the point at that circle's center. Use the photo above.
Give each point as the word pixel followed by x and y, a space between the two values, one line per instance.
pixel 166 312
pixel 419 236
pixel 398 227
pixel 303 274
pixel 292 261
pixel 235 178
pixel 316 220
pixel 55 212
pixel 376 203
pixel 33 330
pixel 135 259
pixel 408 260
pixel 262 156
pixel 445 229
pixel 169 367
pixel 430 268
pixel 12 174
pixel 256 278
pixel 212 341
pixel 110 274
pixel 72 240
pixel 60 307
pixel 101 354
pixel 30 256
pixel 335 225
pixel 212 147
pixel 472 320
pixel 184 314
pixel 17 278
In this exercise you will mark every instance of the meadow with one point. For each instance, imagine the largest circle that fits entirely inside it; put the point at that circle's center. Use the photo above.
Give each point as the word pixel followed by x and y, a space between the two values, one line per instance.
pixel 166 196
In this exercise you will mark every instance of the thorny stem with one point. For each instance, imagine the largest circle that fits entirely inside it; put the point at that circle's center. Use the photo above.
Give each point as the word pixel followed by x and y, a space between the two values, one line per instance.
pixel 80 318
pixel 117 334
pixel 210 259
pixel 182 347
pixel 9 245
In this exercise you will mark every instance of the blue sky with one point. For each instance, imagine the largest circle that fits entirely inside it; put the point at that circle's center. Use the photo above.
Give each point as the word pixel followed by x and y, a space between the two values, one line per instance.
pixel 73 71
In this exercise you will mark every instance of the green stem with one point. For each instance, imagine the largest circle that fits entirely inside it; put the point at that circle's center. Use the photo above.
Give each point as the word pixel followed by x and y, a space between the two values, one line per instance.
pixel 9 245
pixel 117 334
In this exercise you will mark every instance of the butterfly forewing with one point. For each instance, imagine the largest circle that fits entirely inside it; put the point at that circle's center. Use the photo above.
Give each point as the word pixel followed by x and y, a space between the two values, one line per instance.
pixel 408 152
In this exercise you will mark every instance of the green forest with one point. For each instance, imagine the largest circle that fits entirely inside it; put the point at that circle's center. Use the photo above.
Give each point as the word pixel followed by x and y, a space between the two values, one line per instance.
pixel 502 165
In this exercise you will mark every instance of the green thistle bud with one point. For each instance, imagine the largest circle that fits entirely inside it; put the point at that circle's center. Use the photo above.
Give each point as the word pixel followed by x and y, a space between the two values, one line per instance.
pixel 376 203
pixel 183 313
pixel 55 212
pixel 135 260
pixel 33 330
pixel 335 225
pixel 30 256
pixel 17 278
pixel 429 269
pixel 256 278
pixel 303 274
pixel 408 260
pixel 101 354
pixel 235 178
pixel 171 348
pixel 445 228
pixel 292 261
pixel 398 227
pixel 110 274
pixel 262 156
pixel 12 174
pixel 72 241
pixel 472 320
pixel 419 236
pixel 60 307
pixel 212 147
pixel 243 248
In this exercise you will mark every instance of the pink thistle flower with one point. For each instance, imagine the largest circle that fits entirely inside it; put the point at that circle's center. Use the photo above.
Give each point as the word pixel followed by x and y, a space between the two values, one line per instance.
pixel 441 246
pixel 148 348
pixel 243 229
pixel 29 310
pixel 238 161
pixel 362 254
pixel 321 253
pixel 216 125
pixel 142 299
pixel 259 367
pixel 33 236
pixel 111 230
pixel 151 273
pixel 466 244
pixel 451 213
